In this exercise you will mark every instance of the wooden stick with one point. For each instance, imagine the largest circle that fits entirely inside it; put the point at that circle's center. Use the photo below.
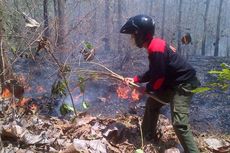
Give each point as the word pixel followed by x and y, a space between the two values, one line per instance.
pixel 119 77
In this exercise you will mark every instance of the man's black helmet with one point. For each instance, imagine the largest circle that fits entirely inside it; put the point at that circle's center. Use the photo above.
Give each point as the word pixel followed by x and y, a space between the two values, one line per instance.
pixel 142 26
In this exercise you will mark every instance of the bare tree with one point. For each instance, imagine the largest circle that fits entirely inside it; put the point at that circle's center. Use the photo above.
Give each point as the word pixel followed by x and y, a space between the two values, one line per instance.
pixel 55 8
pixel 151 7
pixel 107 25
pixel 5 68
pixel 216 51
pixel 1 50
pixel 179 28
pixel 228 47
pixel 207 3
pixel 61 22
pixel 119 16
pixel 94 20
pixel 46 20
pixel 163 20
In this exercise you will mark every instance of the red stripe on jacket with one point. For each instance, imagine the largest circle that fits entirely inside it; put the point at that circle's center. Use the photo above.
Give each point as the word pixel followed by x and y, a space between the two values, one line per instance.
pixel 156 45
pixel 136 79
pixel 157 84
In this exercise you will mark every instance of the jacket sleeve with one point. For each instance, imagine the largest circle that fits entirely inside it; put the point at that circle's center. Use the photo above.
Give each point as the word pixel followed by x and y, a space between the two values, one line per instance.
pixel 157 71
pixel 143 78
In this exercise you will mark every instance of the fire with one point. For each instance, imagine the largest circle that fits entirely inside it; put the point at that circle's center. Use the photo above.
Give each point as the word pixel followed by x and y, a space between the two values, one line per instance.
pixel 124 92
pixel 135 95
pixel 6 93
pixel 23 102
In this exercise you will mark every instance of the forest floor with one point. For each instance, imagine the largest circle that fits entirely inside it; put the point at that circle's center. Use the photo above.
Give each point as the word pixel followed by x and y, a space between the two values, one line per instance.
pixel 24 130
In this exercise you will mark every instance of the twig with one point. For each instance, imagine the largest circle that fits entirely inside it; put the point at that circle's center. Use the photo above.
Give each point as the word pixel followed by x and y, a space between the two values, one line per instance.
pixel 62 75
pixel 142 138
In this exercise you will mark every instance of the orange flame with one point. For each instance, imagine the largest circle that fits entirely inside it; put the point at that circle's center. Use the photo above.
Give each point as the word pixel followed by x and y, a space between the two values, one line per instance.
pixel 6 93
pixel 135 95
pixel 123 92
pixel 23 102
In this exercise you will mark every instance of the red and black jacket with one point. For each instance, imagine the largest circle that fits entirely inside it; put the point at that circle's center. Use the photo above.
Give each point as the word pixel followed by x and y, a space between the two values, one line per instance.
pixel 166 67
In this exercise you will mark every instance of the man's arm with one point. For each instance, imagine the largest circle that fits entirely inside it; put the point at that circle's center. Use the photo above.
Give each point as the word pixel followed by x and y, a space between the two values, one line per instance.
pixel 157 71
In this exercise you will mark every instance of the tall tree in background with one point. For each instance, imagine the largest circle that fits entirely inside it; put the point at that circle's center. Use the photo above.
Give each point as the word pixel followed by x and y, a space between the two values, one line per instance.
pixel 216 51
pixel 61 22
pixel 179 28
pixel 1 50
pixel 94 20
pixel 228 47
pixel 207 3
pixel 151 7
pixel 163 20
pixel 119 20
pixel 107 26
pixel 5 68
pixel 46 20
pixel 55 6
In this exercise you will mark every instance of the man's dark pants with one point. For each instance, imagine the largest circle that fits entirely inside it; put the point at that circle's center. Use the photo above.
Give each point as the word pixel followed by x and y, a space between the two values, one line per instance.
pixel 179 98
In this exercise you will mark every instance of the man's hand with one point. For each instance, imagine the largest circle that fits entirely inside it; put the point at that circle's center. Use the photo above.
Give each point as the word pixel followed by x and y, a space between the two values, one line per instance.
pixel 128 81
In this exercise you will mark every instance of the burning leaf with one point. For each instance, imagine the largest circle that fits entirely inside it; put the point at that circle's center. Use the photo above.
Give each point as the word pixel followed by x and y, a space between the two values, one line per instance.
pixel 85 104
pixel 65 109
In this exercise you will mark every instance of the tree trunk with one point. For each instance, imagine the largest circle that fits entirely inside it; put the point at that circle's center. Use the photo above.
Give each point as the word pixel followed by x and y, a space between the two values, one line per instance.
pixel 94 24
pixel 228 47
pixel 5 68
pixel 61 23
pixel 55 20
pixel 163 20
pixel 46 21
pixel 16 4
pixel 216 51
pixel 179 28
pixel 205 27
pixel 119 4
pixel 150 7
pixel 1 50
pixel 107 26
pixel 55 8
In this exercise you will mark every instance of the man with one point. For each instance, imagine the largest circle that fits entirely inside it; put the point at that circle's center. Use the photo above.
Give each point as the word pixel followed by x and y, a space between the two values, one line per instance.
pixel 169 76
